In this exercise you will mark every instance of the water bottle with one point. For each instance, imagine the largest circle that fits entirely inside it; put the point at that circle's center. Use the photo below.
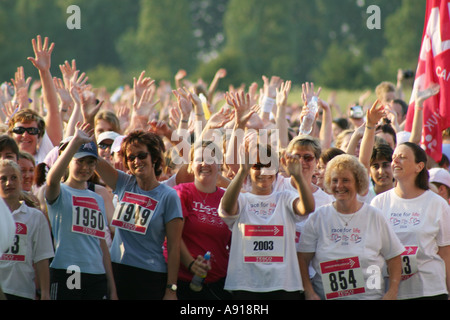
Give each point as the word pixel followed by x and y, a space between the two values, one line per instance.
pixel 308 120
pixel 197 282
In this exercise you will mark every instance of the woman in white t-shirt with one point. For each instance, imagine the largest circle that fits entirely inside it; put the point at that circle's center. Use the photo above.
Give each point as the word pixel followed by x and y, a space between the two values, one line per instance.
pixel 263 260
pixel 348 242
pixel 421 220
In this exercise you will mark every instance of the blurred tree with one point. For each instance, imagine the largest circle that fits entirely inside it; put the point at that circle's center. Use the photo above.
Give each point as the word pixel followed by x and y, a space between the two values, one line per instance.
pixel 163 41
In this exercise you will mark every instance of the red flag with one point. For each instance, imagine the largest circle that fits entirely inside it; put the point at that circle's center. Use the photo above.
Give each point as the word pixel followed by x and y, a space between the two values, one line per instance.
pixel 434 67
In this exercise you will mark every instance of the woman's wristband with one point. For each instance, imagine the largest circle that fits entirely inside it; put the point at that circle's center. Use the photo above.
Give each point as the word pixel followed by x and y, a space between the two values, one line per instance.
pixel 190 265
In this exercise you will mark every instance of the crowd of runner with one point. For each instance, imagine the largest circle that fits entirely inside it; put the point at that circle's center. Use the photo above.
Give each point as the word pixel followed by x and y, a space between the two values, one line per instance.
pixel 132 194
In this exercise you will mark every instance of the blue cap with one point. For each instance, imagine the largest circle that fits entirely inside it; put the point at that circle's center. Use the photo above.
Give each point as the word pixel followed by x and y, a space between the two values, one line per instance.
pixel 87 150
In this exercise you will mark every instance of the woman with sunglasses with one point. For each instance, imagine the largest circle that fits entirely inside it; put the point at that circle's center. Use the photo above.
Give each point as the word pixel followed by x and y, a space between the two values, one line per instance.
pixel 263 261
pixel 421 220
pixel 79 224
pixel 28 130
pixel 348 242
pixel 148 212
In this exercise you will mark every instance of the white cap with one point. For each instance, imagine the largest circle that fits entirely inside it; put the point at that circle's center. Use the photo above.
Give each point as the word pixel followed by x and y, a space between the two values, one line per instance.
pixel 116 144
pixel 440 175
pixel 107 135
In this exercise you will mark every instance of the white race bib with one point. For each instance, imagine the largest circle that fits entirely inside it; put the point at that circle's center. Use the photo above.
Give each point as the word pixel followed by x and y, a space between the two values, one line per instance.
pixel 87 217
pixel 134 212
pixel 263 243
pixel 17 252
pixel 409 262
pixel 343 277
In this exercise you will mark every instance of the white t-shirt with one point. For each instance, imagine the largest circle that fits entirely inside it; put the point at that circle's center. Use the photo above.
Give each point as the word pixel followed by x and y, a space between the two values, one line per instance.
pixel 346 256
pixel 262 254
pixel 422 225
pixel 7 227
pixel 44 149
pixel 32 244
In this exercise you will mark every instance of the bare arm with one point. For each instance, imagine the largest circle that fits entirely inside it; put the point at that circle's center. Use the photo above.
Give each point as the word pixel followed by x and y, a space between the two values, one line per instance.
pixel 42 62
pixel 395 272
pixel 82 135
pixel 174 229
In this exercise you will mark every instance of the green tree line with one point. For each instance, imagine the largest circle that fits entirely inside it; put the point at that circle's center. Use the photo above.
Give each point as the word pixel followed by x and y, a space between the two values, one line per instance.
pixel 325 41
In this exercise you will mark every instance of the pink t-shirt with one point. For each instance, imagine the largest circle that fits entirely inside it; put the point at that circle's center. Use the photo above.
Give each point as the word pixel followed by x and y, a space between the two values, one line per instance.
pixel 204 230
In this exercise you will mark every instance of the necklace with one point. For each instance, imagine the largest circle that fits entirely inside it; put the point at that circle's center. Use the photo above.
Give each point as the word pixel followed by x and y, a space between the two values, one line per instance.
pixel 203 198
pixel 347 221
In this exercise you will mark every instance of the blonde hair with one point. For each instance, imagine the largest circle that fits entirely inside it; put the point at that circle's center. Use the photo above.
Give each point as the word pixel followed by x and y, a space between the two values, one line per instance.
pixel 348 162
pixel 383 88
pixel 9 163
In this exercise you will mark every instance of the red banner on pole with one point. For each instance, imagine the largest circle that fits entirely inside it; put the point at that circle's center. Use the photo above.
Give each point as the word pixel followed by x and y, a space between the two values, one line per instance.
pixel 434 67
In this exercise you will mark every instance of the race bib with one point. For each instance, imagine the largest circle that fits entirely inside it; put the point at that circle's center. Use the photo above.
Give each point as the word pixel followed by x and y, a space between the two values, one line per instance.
pixel 17 252
pixel 134 212
pixel 87 217
pixel 409 262
pixel 343 277
pixel 263 243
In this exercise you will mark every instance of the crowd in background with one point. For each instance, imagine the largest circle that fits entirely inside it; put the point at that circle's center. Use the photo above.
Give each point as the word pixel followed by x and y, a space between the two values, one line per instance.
pixel 129 190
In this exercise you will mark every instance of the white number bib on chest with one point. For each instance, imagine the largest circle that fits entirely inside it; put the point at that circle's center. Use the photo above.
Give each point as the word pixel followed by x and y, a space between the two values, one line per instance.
pixel 18 250
pixel 409 262
pixel 134 212
pixel 342 277
pixel 263 243
pixel 87 217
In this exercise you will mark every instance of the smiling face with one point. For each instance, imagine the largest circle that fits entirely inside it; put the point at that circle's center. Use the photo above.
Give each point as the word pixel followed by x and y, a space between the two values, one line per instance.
pixel 27 142
pixel 82 169
pixel 403 164
pixel 262 178
pixel 27 168
pixel 343 185
pixel 381 173
pixel 205 167
pixel 308 160
pixel 139 160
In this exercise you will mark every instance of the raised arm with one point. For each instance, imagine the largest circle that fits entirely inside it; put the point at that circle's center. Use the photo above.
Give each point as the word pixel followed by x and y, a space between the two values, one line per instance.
pixel 305 203
pixel 42 61
pixel 83 134
pixel 419 99
pixel 374 114
pixel 281 122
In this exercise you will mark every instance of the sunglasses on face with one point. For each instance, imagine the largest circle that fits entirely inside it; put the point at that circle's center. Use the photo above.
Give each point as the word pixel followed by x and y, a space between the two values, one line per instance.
pixel 140 156
pixel 104 146
pixel 306 157
pixel 20 130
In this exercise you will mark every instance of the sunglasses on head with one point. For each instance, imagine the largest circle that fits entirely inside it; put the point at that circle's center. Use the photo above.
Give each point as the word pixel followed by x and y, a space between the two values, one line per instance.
pixel 20 130
pixel 140 156
pixel 104 145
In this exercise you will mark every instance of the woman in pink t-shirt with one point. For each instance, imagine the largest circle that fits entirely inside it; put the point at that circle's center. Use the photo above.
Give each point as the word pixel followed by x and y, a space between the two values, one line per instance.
pixel 203 229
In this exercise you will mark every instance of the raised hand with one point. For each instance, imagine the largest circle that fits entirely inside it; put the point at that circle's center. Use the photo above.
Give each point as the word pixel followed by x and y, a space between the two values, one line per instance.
pixel 68 72
pixel 375 113
pixel 140 85
pixel 145 105
pixel 242 108
pixel 271 86
pixel 84 133
pixel 21 87
pixel 282 93
pixel 422 95
pixel 308 92
pixel 184 103
pixel 43 53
